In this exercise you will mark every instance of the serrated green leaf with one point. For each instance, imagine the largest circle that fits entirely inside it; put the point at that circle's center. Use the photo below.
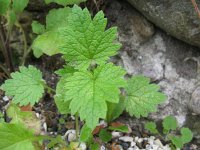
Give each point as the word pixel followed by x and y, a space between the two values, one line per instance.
pixel 65 2
pixel 57 18
pixel 26 86
pixel 37 27
pixel 50 41
pixel 11 16
pixel 86 41
pixel 177 141
pixel 142 97
pixel 105 136
pixel 122 128
pixel 186 135
pixel 89 92
pixel 151 126
pixel 66 71
pixel 47 43
pixel 61 103
pixel 115 109
pixel 4 6
pixel 94 146
pixel 16 137
pixel 169 123
pixel 19 5
pixel 28 118
pixel 86 134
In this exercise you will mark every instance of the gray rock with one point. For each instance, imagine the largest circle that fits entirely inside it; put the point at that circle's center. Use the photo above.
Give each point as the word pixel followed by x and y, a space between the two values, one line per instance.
pixel 176 17
pixel 161 57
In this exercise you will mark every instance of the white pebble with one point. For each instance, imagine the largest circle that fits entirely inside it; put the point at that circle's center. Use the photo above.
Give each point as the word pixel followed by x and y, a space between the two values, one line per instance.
pixel 126 139
pixel 133 144
pixel 116 134
pixel 136 148
pixel 37 115
pixel 5 98
pixel 71 135
pixel 83 146
pixel 136 139
pixel 157 142
pixel 140 140
pixel 102 148
pixel 130 148
pixel 45 126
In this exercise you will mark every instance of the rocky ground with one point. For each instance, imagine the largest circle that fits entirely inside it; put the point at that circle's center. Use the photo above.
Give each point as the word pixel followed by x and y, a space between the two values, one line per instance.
pixel 148 50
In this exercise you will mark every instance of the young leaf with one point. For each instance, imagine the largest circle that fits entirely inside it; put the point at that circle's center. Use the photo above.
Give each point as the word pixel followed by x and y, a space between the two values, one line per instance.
pixel 177 141
pixel 62 105
pixel 94 146
pixel 4 6
pixel 169 123
pixel 105 136
pixel 37 27
pixel 19 5
pixel 28 118
pixel 122 128
pixel 151 126
pixel 115 109
pixel 186 135
pixel 50 40
pixel 16 137
pixel 65 2
pixel 142 97
pixel 86 134
pixel 89 92
pixel 86 41
pixel 26 86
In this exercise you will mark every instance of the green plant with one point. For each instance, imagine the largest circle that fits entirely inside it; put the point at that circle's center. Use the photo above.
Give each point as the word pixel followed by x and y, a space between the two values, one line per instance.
pixel 169 128
pixel 9 13
pixel 90 87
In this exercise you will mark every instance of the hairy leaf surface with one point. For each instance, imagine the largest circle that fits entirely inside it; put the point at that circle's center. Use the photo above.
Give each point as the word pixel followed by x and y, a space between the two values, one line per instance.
pixel 169 123
pixel 86 40
pixel 89 91
pixel 19 5
pixel 16 137
pixel 4 6
pixel 26 86
pixel 50 40
pixel 65 2
pixel 142 97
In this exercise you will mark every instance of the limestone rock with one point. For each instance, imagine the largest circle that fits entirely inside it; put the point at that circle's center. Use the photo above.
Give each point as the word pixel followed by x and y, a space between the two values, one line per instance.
pixel 176 17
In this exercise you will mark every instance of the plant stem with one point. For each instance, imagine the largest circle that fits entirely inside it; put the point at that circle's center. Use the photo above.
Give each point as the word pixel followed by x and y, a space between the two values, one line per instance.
pixel 49 89
pixel 5 45
pixel 77 126
pixel 5 70
pixel 25 43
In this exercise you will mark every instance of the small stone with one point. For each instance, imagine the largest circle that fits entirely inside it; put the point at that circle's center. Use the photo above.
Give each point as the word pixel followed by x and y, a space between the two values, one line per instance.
pixel 140 140
pixel 126 139
pixel 116 134
pixel 125 145
pixel 130 148
pixel 45 126
pixel 133 144
pixel 103 148
pixel 83 146
pixel 155 146
pixel 37 115
pixel 71 135
pixel 5 98
pixel 135 148
pixel 158 142
pixel 136 139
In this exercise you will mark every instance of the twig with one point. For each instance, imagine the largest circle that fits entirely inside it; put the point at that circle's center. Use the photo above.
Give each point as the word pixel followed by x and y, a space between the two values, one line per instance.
pixel 25 43
pixel 196 7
